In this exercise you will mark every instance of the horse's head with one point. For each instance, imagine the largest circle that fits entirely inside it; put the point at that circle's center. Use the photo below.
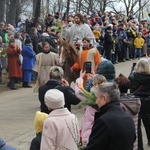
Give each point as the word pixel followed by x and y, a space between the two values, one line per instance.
pixel 67 51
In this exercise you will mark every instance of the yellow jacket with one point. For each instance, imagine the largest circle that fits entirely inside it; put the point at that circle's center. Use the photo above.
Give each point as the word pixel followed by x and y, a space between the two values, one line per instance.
pixel 96 34
pixel 138 42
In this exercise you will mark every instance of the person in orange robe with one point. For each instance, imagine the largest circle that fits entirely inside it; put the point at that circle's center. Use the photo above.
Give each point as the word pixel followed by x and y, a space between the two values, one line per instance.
pixel 88 53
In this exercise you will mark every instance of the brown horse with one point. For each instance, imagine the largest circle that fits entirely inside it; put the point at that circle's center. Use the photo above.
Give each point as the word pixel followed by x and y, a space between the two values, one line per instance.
pixel 68 56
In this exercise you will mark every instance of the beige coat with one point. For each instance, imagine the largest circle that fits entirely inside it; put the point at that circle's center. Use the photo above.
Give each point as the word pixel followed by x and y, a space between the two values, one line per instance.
pixel 60 131
pixel 42 66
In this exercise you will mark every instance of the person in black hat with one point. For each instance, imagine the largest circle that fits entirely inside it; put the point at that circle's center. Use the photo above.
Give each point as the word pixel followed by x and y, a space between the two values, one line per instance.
pixel 108 43
pixel 28 62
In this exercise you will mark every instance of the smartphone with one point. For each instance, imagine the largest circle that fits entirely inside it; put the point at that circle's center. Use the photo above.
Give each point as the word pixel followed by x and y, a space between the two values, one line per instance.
pixel 88 66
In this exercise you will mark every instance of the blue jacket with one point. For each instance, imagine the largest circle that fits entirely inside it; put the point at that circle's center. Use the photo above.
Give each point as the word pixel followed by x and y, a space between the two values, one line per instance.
pixel 28 57
pixel 122 35
pixel 3 146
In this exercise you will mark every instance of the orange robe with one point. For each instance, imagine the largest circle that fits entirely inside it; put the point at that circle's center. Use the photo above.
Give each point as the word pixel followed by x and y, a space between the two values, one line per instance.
pixel 86 55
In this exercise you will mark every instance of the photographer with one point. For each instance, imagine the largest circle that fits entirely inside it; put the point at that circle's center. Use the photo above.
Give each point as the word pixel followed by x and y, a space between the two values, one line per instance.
pixel 57 81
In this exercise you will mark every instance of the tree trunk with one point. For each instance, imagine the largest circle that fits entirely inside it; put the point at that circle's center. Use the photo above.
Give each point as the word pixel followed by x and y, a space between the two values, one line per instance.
pixel 68 6
pixel 47 7
pixel 2 10
pixel 37 12
pixel 79 6
pixel 34 7
pixel 140 11
pixel 11 12
pixel 18 11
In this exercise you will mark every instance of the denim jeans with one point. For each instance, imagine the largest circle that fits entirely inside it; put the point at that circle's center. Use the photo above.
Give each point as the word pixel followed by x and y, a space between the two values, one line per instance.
pixel 138 51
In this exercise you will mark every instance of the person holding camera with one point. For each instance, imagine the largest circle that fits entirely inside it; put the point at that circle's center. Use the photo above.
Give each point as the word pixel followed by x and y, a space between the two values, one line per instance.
pixel 56 81
pixel 140 83
pixel 88 54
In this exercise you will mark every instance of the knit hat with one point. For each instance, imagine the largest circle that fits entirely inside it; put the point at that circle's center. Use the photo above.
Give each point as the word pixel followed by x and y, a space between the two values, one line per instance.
pixel 39 120
pixel 54 99
pixel 107 69
pixel 28 41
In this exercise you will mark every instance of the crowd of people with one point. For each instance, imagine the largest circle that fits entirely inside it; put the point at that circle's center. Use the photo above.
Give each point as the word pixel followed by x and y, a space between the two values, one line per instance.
pixel 114 106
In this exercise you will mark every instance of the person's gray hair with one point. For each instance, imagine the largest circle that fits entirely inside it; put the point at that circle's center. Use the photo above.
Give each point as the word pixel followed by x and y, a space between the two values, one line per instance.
pixel 110 89
pixel 142 66
pixel 56 73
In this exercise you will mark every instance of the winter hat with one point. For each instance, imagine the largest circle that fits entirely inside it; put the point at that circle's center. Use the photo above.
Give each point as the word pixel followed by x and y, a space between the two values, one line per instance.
pixel 54 99
pixel 107 69
pixel 28 41
pixel 39 120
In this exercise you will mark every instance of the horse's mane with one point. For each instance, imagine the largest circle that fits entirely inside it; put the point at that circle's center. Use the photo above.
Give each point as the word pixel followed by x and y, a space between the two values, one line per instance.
pixel 71 54
pixel 69 46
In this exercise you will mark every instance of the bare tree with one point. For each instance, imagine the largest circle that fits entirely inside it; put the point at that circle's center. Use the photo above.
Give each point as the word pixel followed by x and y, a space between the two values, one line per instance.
pixel 34 7
pixel 68 6
pixel 47 7
pixel 10 16
pixel 2 10
pixel 37 12
pixel 130 7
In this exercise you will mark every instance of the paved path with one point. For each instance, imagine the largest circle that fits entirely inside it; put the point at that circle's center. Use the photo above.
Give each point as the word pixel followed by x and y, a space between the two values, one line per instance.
pixel 17 110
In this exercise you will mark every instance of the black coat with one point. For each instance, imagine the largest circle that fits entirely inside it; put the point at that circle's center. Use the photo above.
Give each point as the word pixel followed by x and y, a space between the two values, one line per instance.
pixel 69 94
pixel 140 86
pixel 108 41
pixel 35 41
pixel 113 129
pixel 36 142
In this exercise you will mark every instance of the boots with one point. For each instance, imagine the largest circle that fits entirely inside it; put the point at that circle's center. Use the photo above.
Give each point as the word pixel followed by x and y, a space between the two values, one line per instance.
pixel 26 85
pixel 11 84
pixel 146 123
pixel 1 82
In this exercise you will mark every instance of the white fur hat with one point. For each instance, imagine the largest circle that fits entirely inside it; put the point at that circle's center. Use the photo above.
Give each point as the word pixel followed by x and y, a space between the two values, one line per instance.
pixel 54 99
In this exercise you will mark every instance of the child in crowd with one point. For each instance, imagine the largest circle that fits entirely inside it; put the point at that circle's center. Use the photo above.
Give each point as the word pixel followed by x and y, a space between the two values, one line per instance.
pixel 138 43
pixel 87 98
pixel 38 125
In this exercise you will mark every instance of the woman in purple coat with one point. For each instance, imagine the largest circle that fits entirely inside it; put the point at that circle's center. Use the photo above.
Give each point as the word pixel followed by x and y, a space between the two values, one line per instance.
pixel 28 62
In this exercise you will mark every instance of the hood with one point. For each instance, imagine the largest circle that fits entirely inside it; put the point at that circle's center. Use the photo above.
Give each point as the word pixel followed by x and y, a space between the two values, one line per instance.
pixel 130 103
pixel 39 120
pixel 142 78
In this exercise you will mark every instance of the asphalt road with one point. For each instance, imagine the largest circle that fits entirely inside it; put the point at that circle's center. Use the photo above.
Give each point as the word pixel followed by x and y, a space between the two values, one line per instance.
pixel 18 107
